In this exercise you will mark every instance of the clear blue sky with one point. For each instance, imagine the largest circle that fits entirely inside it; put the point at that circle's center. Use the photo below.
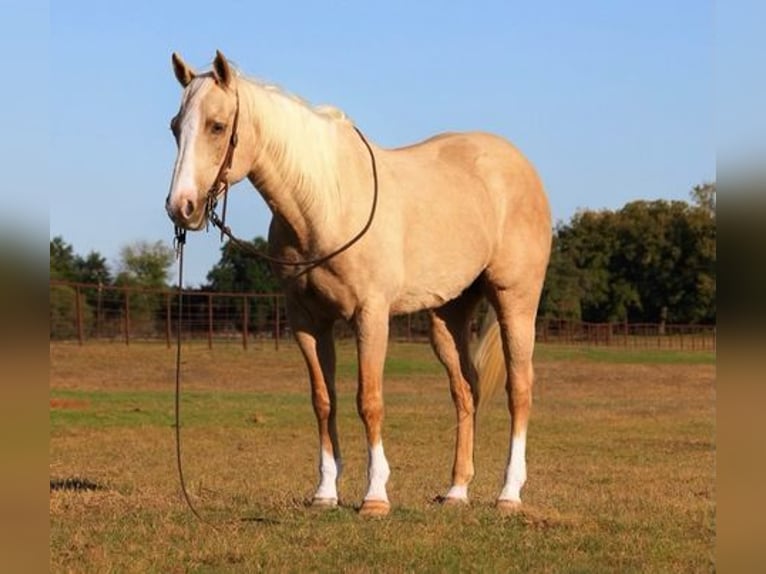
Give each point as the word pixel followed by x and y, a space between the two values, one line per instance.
pixel 612 101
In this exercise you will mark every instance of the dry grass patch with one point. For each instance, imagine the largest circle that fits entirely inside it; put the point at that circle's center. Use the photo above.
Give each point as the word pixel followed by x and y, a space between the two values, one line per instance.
pixel 621 461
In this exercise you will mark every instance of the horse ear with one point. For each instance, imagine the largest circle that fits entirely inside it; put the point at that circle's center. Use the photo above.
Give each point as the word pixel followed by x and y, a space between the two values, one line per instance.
pixel 222 70
pixel 183 73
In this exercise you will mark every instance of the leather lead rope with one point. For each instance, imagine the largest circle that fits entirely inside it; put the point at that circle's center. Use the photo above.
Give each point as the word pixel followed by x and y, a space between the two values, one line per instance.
pixel 179 242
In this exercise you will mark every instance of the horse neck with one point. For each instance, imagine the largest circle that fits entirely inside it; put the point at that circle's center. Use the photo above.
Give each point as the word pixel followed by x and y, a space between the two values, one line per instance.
pixel 295 160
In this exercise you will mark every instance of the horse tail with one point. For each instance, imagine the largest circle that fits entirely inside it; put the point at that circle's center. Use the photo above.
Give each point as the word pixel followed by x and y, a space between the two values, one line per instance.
pixel 489 361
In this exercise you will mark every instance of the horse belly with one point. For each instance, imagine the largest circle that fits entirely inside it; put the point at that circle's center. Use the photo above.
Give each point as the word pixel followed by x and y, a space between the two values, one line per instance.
pixel 445 249
pixel 429 287
pixel 417 300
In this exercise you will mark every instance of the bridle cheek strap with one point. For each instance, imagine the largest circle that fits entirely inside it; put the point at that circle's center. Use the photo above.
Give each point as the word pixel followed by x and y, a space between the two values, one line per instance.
pixel 220 185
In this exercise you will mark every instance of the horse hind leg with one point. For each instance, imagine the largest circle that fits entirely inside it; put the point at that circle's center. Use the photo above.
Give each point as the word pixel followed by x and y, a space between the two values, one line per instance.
pixel 516 320
pixel 450 337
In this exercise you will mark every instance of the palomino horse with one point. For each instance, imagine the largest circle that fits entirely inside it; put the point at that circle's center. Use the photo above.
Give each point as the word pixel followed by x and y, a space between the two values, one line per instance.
pixel 446 221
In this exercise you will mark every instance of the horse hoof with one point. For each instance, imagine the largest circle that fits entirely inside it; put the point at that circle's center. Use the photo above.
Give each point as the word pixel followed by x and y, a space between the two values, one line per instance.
pixel 374 508
pixel 508 506
pixel 324 503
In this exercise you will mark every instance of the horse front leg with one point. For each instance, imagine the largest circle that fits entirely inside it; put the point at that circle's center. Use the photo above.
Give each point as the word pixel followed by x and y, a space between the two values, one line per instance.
pixel 372 341
pixel 318 350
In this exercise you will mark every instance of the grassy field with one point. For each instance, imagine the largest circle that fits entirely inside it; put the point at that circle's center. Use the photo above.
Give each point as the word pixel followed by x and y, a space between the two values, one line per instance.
pixel 621 466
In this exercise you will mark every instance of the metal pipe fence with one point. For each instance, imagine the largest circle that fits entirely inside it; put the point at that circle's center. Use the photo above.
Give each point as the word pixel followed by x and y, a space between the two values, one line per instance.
pixel 628 335
pixel 87 312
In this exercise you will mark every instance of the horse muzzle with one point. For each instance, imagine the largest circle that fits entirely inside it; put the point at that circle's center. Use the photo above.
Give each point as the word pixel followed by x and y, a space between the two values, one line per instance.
pixel 185 213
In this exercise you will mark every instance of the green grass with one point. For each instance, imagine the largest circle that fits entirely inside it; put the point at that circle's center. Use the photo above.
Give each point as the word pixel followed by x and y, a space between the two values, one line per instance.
pixel 621 462
pixel 618 355
pixel 129 409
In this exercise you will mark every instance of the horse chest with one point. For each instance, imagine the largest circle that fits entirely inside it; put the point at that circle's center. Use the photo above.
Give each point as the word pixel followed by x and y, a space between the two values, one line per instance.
pixel 327 291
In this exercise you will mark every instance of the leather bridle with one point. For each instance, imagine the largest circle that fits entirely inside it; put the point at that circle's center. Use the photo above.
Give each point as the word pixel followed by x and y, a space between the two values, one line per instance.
pixel 220 185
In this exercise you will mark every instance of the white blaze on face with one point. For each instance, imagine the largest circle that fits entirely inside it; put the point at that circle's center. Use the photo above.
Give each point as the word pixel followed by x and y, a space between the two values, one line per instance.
pixel 182 198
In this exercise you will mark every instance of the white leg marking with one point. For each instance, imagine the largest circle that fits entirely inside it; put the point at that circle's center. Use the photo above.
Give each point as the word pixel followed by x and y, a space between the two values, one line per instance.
pixel 377 472
pixel 458 492
pixel 516 473
pixel 329 472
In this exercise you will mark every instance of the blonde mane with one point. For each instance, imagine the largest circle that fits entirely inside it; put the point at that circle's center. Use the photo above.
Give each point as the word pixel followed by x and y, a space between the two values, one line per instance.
pixel 300 141
pixel 324 110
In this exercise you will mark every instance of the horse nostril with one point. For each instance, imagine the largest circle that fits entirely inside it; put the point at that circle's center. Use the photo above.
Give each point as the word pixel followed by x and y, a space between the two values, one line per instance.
pixel 188 210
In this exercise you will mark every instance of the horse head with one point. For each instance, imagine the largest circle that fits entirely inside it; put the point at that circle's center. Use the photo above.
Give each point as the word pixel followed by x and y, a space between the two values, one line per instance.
pixel 205 130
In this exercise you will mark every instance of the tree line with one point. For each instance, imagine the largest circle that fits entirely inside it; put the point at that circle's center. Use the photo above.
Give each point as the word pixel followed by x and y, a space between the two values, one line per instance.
pixel 647 262
pixel 141 265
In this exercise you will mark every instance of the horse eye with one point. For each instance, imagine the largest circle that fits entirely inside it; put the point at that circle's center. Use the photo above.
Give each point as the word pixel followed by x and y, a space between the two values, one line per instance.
pixel 217 128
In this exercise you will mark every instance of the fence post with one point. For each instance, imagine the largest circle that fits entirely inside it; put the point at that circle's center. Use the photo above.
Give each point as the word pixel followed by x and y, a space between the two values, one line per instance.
pixel 127 317
pixel 78 312
pixel 99 310
pixel 245 312
pixel 167 319
pixel 276 324
pixel 209 321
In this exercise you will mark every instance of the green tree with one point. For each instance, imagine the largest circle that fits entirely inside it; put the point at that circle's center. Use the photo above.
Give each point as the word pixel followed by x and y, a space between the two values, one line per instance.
pixel 63 262
pixel 702 222
pixel 66 265
pixel 144 264
pixel 563 290
pixel 651 257
pixel 93 269
pixel 650 261
pixel 703 197
pixel 668 252
pixel 582 267
pixel 240 272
